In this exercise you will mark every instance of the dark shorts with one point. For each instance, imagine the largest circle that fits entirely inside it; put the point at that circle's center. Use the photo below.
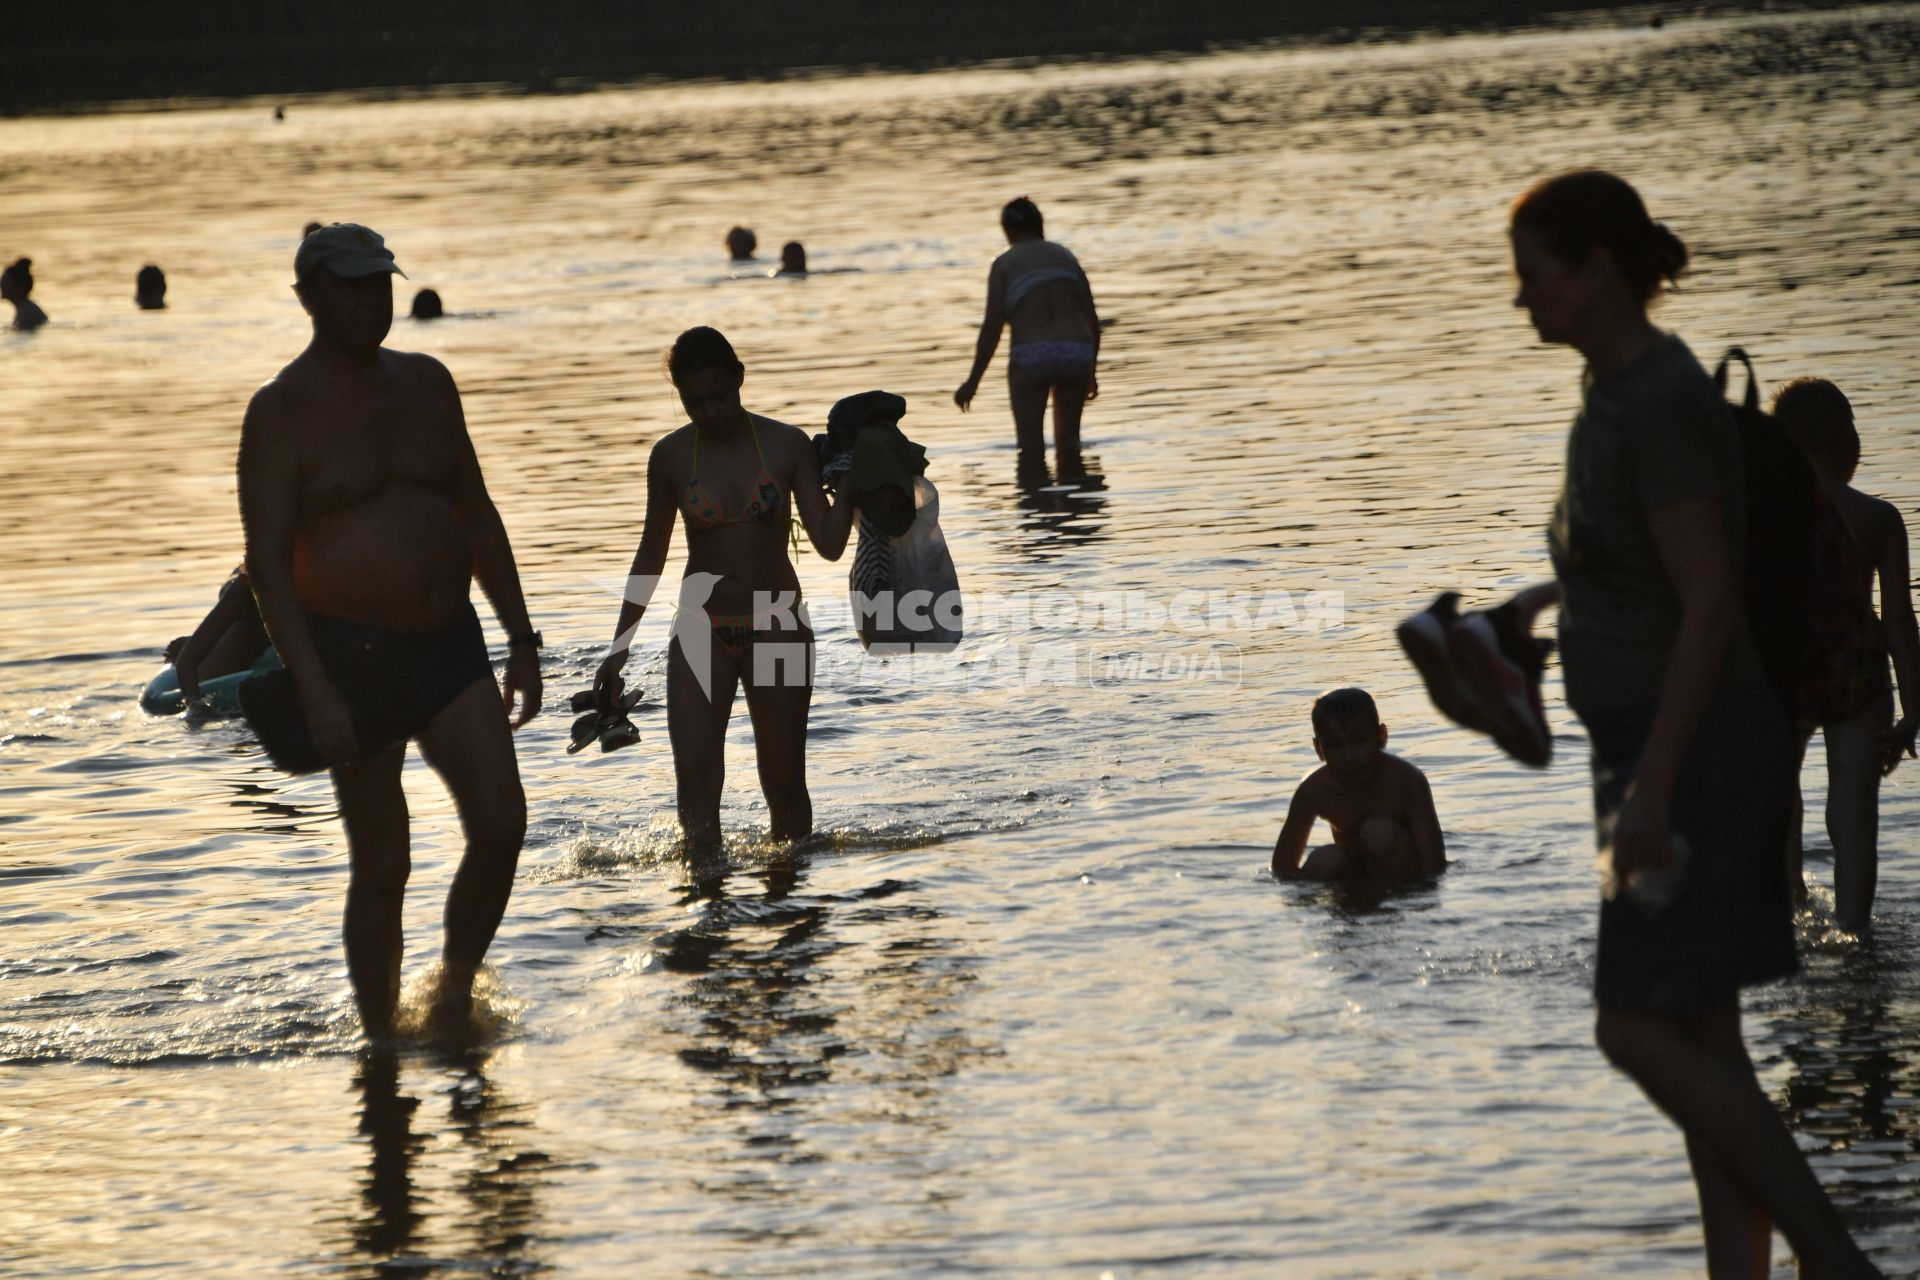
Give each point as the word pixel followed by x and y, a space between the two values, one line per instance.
pixel 394 683
pixel 1732 923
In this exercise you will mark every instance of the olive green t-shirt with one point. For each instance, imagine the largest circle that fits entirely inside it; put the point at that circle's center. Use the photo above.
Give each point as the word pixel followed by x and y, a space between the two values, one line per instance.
pixel 1651 434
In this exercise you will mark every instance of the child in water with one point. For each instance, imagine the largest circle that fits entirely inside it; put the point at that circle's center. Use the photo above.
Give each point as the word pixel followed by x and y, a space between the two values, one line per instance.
pixel 1379 806
pixel 230 638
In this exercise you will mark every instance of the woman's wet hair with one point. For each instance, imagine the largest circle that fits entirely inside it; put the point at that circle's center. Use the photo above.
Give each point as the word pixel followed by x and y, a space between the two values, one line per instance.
pixel 1590 209
pixel 1342 706
pixel 1022 214
pixel 1818 417
pixel 701 348
pixel 20 275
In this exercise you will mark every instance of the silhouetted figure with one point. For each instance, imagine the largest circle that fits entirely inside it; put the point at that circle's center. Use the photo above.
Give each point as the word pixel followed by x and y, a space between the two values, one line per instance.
pixel 741 242
pixel 426 306
pixel 1656 20
pixel 310 228
pixel 150 288
pixel 793 259
pixel 354 446
pixel 1692 751
pixel 16 282
pixel 1855 707
pixel 279 113
pixel 1038 288
pixel 734 479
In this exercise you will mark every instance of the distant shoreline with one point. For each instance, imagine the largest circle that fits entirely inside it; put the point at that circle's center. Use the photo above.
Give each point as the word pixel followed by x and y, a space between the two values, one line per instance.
pixel 54 61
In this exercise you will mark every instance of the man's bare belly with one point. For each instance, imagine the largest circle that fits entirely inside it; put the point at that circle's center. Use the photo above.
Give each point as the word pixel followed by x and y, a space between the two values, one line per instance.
pixel 398 560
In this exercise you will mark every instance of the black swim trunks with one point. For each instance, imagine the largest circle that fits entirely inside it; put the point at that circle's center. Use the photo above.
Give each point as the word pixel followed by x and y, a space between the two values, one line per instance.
pixel 394 683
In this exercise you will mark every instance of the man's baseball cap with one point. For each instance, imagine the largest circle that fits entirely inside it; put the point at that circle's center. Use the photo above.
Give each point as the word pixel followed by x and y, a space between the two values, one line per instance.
pixel 347 249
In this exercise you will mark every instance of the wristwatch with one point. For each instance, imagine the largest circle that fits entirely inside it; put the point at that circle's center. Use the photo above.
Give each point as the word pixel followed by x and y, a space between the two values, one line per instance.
pixel 525 637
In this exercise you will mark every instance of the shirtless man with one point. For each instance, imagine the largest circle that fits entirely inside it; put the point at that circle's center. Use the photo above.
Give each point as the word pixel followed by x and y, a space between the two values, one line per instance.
pixel 1863 740
pixel 366 520
pixel 1379 806
pixel 1037 286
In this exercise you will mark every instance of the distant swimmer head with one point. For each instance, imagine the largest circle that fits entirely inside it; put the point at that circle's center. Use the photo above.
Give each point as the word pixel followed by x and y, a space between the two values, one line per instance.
pixel 426 305
pixel 707 374
pixel 793 259
pixel 150 288
pixel 16 282
pixel 347 250
pixel 1021 220
pixel 741 242
pixel 1818 417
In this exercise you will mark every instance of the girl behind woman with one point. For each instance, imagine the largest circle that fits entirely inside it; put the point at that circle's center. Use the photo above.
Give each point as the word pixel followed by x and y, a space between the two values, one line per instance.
pixel 734 478
pixel 1692 753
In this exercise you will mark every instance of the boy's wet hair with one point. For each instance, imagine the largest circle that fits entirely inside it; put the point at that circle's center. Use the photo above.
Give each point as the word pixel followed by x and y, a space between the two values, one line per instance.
pixel 1340 706
pixel 1818 418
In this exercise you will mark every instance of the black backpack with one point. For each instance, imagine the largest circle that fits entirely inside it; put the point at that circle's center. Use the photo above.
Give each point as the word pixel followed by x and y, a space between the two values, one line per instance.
pixel 1801 576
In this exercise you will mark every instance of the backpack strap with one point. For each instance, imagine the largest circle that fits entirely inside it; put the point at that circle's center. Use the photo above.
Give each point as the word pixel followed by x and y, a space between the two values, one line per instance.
pixel 1720 371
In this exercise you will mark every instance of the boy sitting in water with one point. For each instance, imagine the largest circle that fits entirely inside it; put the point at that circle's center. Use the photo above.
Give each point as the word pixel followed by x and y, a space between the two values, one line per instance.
pixel 1379 806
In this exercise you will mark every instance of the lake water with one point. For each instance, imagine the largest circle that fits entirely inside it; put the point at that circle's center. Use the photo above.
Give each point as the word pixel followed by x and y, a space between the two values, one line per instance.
pixel 1035 1006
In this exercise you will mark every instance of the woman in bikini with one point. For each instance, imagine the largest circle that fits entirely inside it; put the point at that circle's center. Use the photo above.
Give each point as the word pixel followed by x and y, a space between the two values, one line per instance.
pixel 1038 287
pixel 736 479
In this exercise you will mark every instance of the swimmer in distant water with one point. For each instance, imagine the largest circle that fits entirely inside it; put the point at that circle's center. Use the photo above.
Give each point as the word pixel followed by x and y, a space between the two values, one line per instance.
pixel 741 242
pixel 427 305
pixel 150 288
pixel 1379 806
pixel 1037 286
pixel 793 259
pixel 367 520
pixel 16 282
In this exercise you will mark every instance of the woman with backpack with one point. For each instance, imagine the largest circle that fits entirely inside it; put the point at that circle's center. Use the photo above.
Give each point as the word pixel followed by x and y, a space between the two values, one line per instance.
pixel 1692 754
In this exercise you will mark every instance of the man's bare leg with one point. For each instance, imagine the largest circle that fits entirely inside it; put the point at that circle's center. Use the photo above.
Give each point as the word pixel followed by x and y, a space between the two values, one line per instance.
pixel 470 746
pixel 373 809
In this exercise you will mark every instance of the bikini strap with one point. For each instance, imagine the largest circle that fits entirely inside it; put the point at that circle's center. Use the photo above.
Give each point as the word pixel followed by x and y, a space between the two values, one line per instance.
pixel 755 430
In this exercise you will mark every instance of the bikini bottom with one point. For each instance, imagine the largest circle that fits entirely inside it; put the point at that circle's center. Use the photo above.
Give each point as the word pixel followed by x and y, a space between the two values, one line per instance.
pixel 1053 362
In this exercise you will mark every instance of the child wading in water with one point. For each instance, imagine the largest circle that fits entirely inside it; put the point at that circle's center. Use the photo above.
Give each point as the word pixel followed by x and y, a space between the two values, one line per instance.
pixel 1863 741
pixel 1379 806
